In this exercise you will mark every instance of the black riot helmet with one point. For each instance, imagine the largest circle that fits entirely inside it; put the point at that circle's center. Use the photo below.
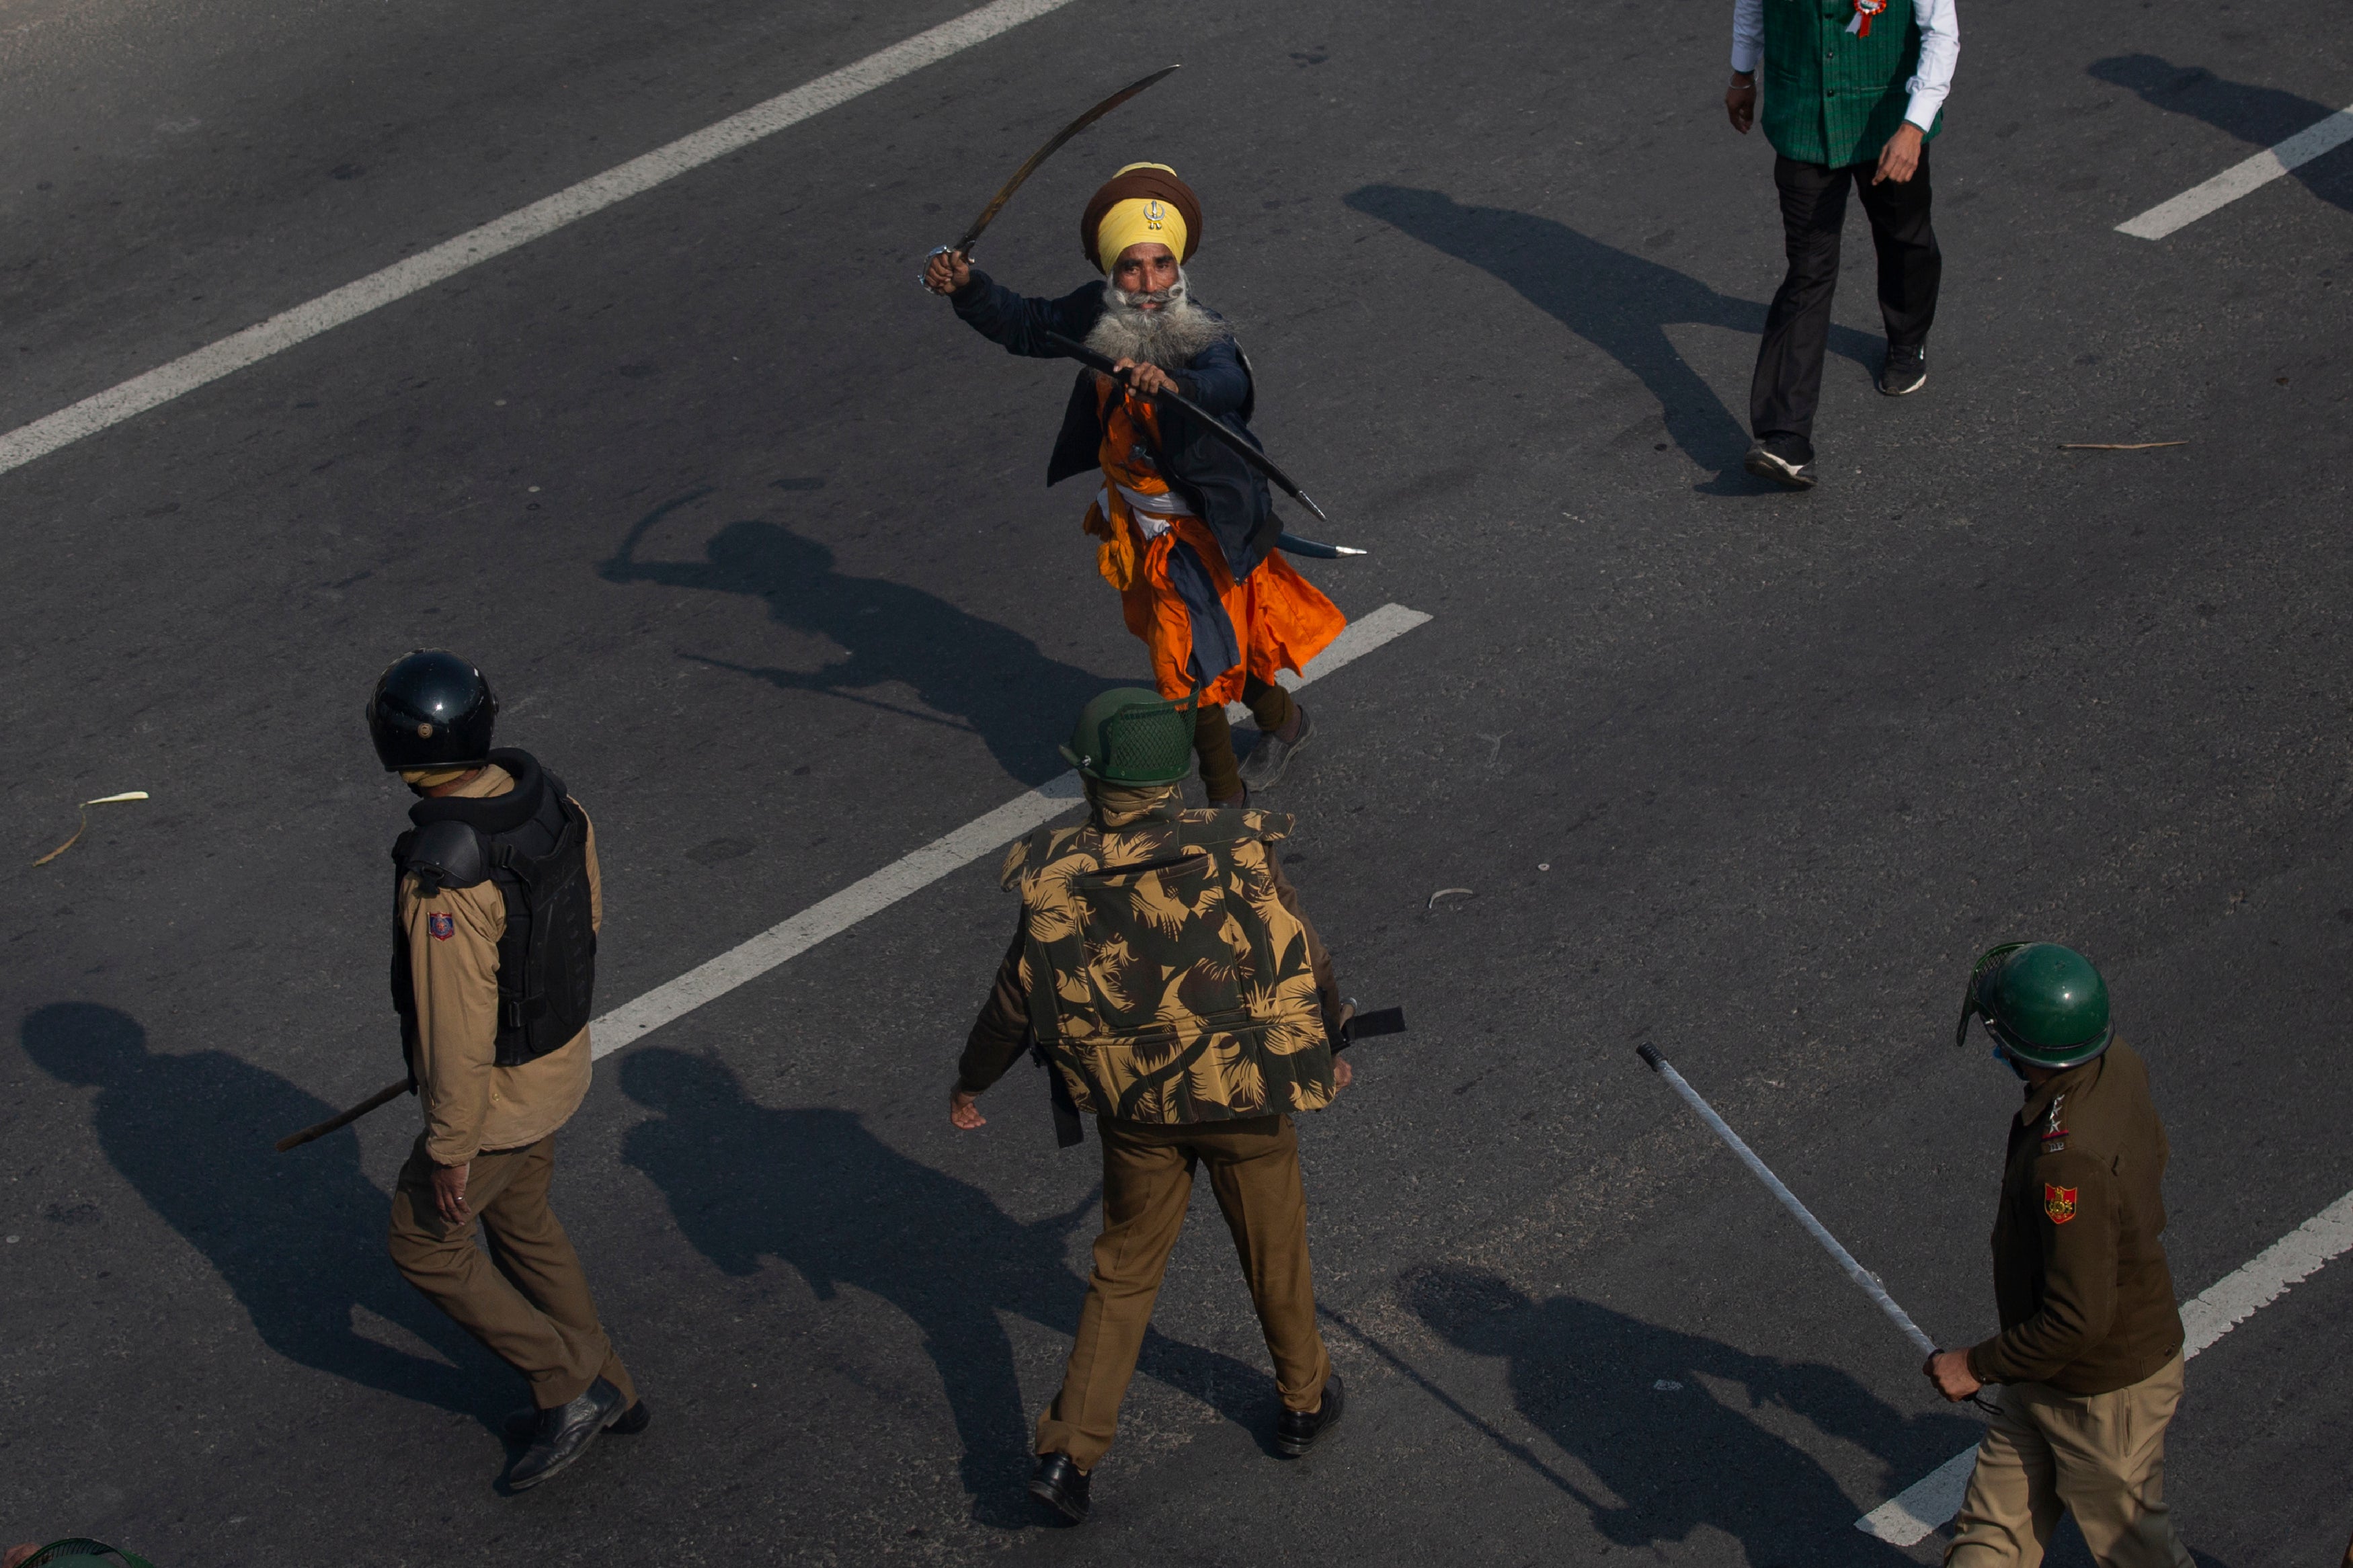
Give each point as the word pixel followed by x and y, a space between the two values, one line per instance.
pixel 431 710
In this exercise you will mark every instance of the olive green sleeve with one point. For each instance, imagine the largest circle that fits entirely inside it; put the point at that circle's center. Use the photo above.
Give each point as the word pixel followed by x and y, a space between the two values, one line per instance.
pixel 1001 1033
pixel 2079 1274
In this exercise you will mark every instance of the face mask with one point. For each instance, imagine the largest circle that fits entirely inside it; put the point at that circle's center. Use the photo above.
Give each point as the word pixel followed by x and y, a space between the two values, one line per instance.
pixel 2006 1060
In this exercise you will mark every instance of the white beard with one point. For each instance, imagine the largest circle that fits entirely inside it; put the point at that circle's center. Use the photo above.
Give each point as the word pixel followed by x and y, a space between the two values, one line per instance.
pixel 1168 337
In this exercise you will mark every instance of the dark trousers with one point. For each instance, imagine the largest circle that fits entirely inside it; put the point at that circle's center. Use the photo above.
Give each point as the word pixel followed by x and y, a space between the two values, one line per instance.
pixel 1213 735
pixel 1788 383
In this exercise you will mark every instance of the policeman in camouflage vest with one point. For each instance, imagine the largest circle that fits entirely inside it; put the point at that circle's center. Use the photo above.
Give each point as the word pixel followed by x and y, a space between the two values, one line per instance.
pixel 1854 91
pixel 1165 972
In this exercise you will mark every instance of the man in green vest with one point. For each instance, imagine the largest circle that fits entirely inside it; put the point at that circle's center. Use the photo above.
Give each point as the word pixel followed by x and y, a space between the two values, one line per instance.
pixel 1165 972
pixel 1854 90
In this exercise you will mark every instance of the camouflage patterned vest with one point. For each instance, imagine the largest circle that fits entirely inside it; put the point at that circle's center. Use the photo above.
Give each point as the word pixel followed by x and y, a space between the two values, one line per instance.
pixel 1167 984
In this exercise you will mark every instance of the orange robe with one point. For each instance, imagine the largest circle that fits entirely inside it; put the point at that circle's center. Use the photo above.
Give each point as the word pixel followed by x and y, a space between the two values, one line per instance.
pixel 1280 619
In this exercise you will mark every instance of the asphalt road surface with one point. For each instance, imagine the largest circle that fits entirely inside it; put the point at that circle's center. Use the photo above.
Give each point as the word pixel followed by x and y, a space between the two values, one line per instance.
pixel 750 534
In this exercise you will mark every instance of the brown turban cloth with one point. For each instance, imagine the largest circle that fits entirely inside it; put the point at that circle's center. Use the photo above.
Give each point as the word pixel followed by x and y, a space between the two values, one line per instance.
pixel 1140 182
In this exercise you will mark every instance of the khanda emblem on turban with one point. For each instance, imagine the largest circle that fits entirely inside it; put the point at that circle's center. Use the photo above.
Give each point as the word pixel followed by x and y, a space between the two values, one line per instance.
pixel 1155 216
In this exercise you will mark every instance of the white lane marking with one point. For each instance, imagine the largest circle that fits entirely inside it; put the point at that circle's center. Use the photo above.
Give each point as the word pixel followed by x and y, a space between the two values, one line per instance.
pixel 2240 178
pixel 446 260
pixel 1914 1514
pixel 1920 1508
pixel 632 1021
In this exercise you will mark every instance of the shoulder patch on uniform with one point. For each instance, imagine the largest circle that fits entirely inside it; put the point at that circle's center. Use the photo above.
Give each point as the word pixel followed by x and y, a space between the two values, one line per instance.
pixel 2059 1203
pixel 442 926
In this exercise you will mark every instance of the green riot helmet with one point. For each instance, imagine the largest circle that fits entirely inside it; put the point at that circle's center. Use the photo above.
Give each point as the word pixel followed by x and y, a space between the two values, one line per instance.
pixel 2043 1004
pixel 1131 736
pixel 77 1553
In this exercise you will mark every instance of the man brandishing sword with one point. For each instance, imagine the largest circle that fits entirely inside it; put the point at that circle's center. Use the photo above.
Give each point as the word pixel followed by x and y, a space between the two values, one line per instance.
pixel 1186 528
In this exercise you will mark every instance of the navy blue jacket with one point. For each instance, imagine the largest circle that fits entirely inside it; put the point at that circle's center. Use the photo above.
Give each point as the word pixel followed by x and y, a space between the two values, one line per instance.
pixel 1221 489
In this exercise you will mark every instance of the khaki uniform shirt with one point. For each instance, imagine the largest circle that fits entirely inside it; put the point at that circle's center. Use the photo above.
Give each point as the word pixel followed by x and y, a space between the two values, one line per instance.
pixel 2086 1299
pixel 470 1104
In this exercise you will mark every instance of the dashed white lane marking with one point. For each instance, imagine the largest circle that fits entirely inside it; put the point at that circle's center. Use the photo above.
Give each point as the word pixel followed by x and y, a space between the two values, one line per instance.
pixel 2240 178
pixel 831 916
pixel 1919 1509
pixel 446 260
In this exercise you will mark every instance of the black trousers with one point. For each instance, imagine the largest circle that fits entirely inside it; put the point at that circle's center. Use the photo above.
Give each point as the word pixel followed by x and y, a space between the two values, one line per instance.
pixel 1788 383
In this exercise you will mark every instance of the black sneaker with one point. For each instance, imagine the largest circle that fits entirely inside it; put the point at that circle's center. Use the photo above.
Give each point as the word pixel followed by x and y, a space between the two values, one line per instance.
pixel 1785 460
pixel 1906 370
pixel 1061 1485
pixel 1296 1431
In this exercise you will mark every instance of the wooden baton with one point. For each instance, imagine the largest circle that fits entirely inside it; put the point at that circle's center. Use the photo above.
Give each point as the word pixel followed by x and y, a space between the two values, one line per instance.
pixel 382 1096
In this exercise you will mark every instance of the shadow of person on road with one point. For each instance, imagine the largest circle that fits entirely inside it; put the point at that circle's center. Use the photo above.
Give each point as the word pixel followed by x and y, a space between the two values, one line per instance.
pixel 297 1238
pixel 995 679
pixel 813 1188
pixel 1676 1460
pixel 1617 302
pixel 2259 116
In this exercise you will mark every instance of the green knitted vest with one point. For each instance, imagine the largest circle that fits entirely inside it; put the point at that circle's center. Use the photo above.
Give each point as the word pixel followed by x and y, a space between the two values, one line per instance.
pixel 1830 97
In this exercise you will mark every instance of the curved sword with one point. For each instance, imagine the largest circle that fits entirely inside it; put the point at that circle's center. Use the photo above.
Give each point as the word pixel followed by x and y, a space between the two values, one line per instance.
pixel 1216 427
pixel 996 203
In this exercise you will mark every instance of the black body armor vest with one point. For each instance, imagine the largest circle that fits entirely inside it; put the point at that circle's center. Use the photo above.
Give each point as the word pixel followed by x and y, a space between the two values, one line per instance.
pixel 534 843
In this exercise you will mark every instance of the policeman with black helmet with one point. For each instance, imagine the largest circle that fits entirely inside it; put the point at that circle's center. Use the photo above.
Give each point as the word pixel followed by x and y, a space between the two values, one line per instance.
pixel 1163 971
pixel 2089 1356
pixel 496 906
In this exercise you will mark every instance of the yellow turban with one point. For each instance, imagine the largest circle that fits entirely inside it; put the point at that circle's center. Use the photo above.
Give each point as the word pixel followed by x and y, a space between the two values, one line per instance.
pixel 1143 203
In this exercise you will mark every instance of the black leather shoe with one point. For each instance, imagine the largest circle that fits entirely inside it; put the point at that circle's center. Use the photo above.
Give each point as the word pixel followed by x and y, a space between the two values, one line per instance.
pixel 564 1434
pixel 521 1426
pixel 1061 1485
pixel 1296 1431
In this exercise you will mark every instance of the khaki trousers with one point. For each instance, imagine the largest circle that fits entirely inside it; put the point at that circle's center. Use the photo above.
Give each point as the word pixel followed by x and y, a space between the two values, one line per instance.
pixel 2100 1457
pixel 526 1299
pixel 1147 1182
